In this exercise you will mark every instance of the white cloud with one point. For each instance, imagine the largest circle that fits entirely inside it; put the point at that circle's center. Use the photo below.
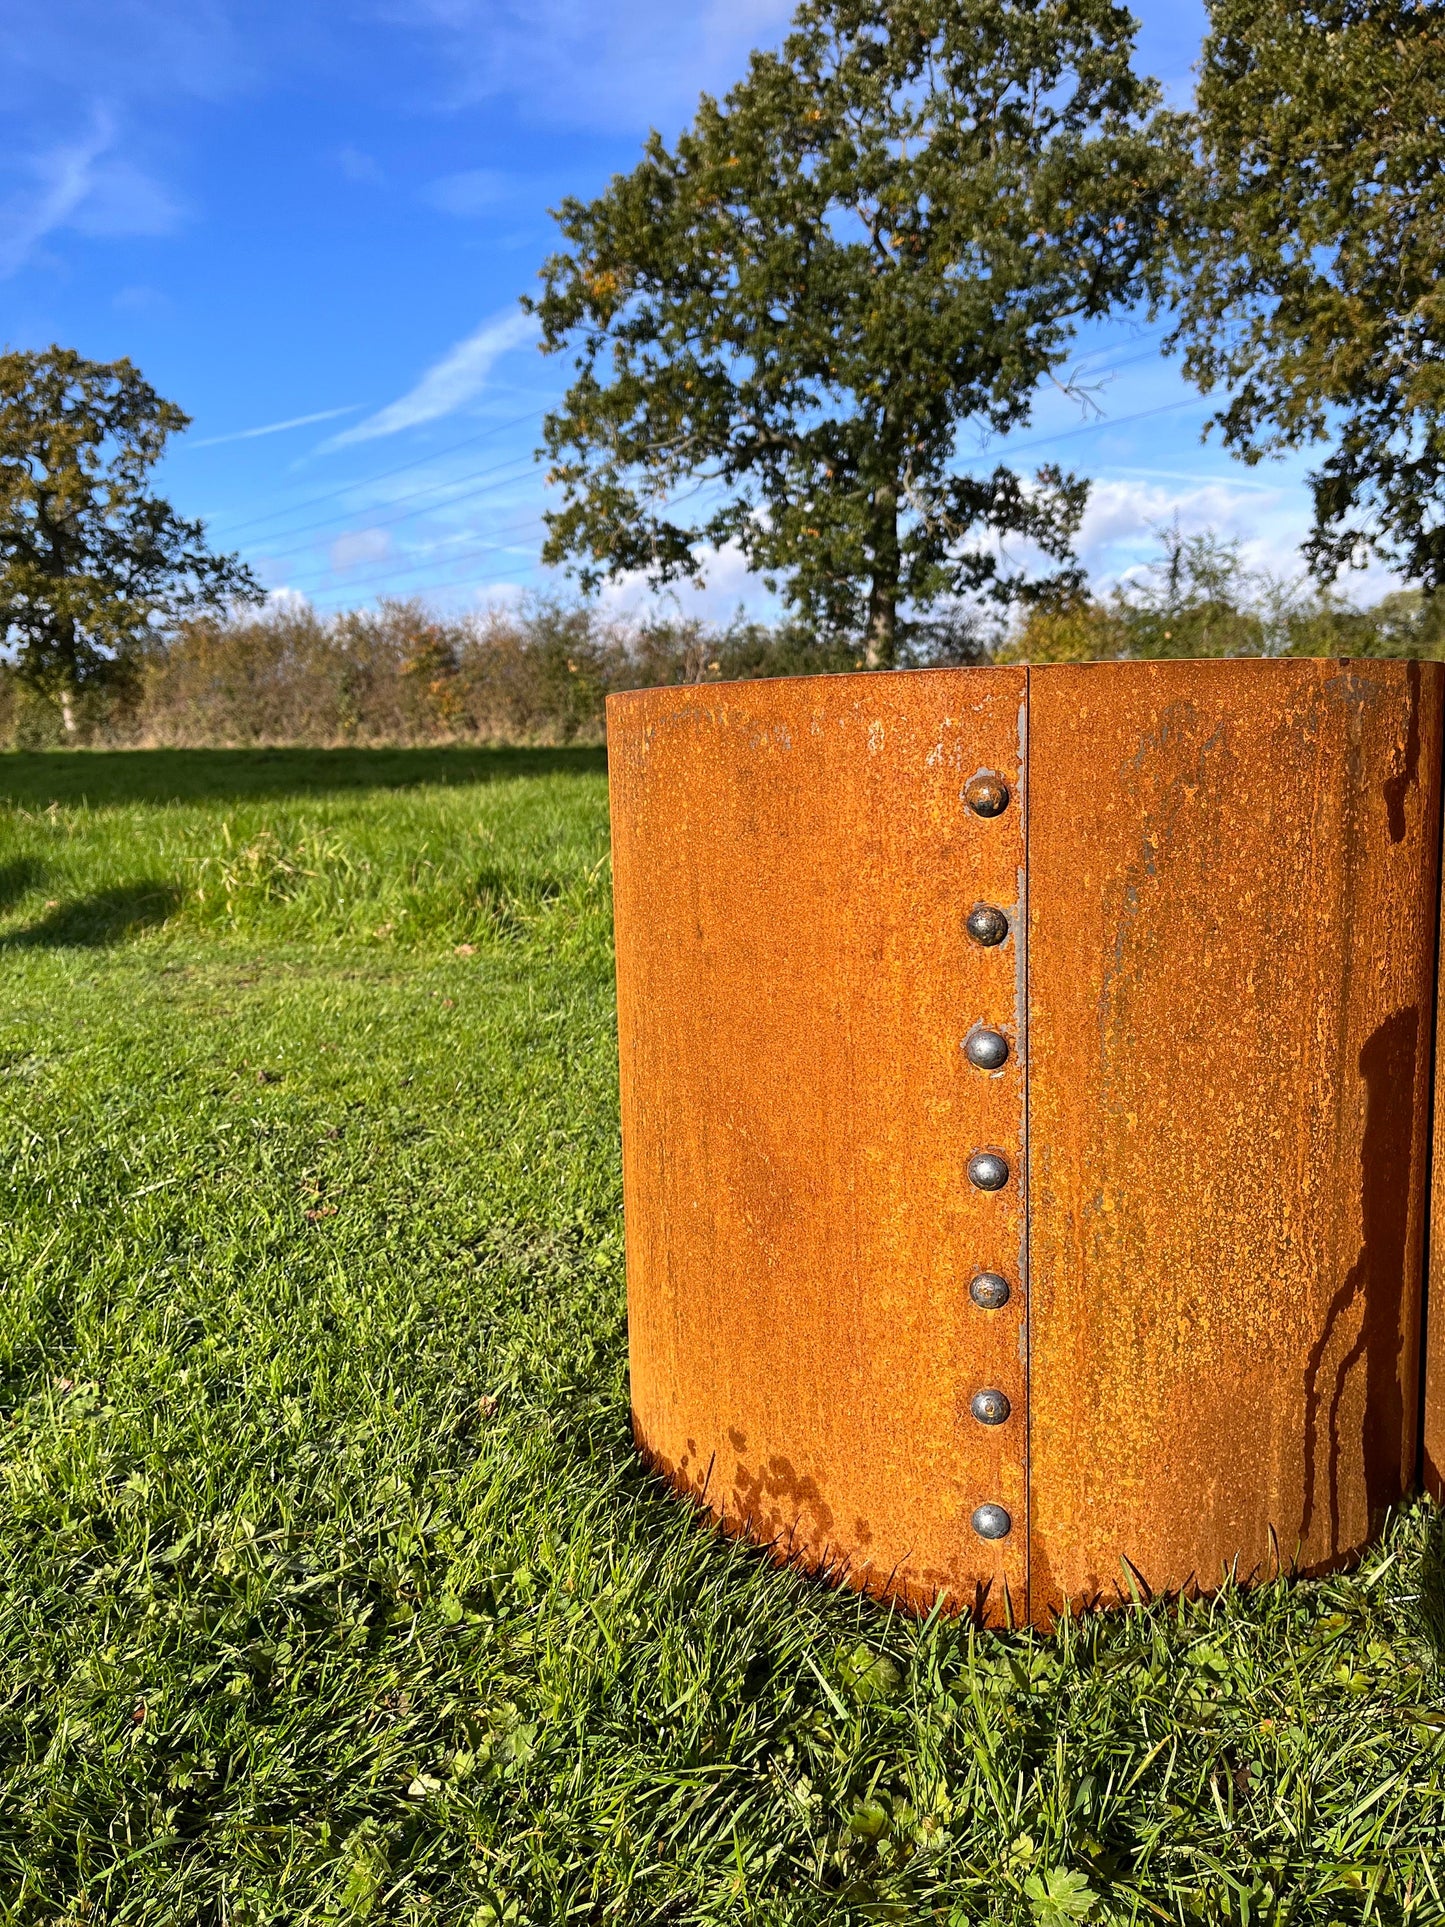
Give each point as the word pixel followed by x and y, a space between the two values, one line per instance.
pixel 362 545
pixel 277 428
pixel 727 582
pixel 79 184
pixel 1119 538
pixel 82 82
pixel 458 378
pixel 125 200
pixel 284 601
pixel 1119 529
pixel 468 194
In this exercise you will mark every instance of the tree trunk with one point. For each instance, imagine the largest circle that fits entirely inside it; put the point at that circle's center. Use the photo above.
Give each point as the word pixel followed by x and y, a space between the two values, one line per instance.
pixel 882 639
pixel 882 626
pixel 67 714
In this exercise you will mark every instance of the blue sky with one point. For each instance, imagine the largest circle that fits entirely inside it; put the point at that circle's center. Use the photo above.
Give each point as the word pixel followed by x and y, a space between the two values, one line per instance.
pixel 310 224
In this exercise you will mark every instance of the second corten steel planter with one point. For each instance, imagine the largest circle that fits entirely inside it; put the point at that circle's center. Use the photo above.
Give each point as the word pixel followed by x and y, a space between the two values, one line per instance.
pixel 1025 1094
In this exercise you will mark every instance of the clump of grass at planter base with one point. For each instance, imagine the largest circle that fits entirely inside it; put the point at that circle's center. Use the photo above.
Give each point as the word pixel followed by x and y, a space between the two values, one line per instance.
pixel 330 1589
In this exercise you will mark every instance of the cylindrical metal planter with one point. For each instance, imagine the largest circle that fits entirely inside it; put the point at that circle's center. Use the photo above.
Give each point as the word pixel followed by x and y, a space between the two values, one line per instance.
pixel 1025 1081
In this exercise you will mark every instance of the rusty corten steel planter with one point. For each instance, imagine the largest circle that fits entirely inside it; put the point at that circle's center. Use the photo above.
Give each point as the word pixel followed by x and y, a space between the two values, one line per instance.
pixel 1135 1280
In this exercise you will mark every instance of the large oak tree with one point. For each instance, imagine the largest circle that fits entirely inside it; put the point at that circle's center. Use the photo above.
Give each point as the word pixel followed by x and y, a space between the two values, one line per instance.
pixel 91 562
pixel 796 328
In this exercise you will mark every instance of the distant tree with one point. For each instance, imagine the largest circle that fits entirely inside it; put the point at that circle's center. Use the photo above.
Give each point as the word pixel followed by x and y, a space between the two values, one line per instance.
pixel 1311 267
pixel 1200 599
pixel 1196 599
pixel 882 238
pixel 91 562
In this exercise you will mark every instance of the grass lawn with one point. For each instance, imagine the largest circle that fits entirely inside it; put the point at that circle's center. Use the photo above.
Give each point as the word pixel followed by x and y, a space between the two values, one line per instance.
pixel 330 1590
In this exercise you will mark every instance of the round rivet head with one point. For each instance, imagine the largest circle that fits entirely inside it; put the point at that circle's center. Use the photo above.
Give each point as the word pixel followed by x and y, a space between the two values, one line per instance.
pixel 992 1522
pixel 987 1171
pixel 989 1292
pixel 986 794
pixel 987 925
pixel 985 1049
pixel 990 1408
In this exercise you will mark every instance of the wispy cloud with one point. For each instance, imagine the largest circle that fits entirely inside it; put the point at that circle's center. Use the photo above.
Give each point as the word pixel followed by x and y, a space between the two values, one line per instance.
pixel 360 545
pixel 358 166
pixel 276 428
pixel 458 378
pixel 80 184
pixel 1235 483
pixel 61 177
pixel 89 88
pixel 468 194
pixel 126 50
pixel 125 200
pixel 572 62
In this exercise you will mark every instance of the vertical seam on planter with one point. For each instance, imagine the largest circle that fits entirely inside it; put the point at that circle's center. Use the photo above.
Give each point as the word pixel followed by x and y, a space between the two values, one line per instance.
pixel 1026 1266
pixel 1427 1266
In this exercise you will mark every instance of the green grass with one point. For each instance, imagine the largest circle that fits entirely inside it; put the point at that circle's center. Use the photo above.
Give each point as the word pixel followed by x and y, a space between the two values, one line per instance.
pixel 331 1590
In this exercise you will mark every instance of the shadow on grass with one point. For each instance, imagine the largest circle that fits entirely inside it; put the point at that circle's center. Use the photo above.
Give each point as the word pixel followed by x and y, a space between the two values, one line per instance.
pixel 16 878
pixel 106 917
pixel 35 778
pixel 1431 1578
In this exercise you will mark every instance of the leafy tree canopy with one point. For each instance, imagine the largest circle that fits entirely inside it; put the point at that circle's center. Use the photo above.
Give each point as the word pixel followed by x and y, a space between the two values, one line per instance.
pixel 90 562
pixel 1310 270
pixel 882 238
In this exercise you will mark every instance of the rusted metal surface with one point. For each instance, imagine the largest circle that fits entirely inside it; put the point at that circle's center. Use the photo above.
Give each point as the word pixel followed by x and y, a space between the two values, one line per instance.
pixel 947 1303
pixel 795 865
pixel 1232 911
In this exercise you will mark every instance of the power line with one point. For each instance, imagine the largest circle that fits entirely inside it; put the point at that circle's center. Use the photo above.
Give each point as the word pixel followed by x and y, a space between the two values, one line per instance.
pixel 400 566
pixel 391 574
pixel 391 520
pixel 499 428
pixel 466 582
pixel 1107 367
pixel 1093 428
pixel 437 455
pixel 1143 414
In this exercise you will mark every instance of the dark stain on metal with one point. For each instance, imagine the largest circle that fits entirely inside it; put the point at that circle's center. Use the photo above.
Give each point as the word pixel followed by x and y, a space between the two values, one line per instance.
pixel 1397 787
pixel 1376 1283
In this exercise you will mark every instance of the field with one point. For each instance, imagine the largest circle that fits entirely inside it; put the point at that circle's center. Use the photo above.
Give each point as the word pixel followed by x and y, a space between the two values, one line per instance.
pixel 330 1590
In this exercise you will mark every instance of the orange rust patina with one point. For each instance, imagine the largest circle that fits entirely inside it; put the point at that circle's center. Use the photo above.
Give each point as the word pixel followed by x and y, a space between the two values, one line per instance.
pixel 1216 988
